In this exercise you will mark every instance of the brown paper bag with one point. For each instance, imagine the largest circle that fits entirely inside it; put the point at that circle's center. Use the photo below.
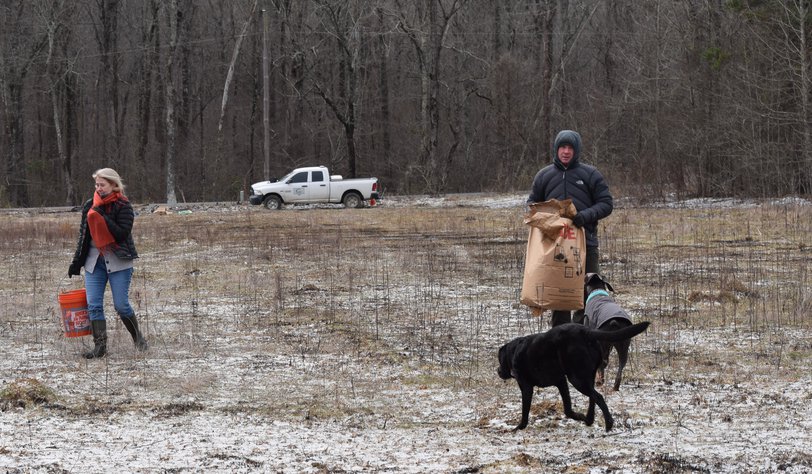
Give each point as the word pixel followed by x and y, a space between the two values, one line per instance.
pixel 556 258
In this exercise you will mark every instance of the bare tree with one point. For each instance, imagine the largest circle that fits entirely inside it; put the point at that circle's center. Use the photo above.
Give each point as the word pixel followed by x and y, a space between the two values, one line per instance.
pixel 545 29
pixel 383 90
pixel 426 25
pixel 17 57
pixel 230 75
pixel 56 17
pixel 171 14
pixel 109 122
pixel 766 73
pixel 430 95
pixel 148 68
pixel 342 22
pixel 794 25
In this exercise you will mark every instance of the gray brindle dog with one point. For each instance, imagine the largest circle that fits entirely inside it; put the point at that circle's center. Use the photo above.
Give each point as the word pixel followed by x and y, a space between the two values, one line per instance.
pixel 601 312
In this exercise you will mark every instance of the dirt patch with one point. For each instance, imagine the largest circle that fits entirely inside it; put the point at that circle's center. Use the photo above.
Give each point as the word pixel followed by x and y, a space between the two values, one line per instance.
pixel 332 340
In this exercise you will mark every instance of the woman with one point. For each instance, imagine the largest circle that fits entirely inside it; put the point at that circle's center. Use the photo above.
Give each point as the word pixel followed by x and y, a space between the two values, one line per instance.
pixel 106 250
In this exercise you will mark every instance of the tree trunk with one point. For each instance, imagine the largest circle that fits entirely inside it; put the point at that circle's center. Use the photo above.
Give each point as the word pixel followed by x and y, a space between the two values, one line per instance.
pixel 341 23
pixel 148 64
pixel 431 117
pixel 13 118
pixel 383 85
pixel 55 32
pixel 107 39
pixel 805 95
pixel 428 48
pixel 545 119
pixel 171 14
pixel 70 136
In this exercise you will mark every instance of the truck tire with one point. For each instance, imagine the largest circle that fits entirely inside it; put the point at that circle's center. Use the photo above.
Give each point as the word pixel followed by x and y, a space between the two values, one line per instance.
pixel 272 202
pixel 353 199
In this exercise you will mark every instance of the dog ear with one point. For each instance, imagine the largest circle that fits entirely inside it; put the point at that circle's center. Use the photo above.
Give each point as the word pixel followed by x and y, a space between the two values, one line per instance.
pixel 608 285
pixel 514 362
pixel 596 281
pixel 593 279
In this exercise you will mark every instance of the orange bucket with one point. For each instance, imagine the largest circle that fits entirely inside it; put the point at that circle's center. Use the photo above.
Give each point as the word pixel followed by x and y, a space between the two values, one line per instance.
pixel 75 319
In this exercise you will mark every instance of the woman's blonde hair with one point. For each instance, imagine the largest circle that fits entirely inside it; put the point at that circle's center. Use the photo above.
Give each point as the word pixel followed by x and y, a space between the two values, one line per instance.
pixel 110 175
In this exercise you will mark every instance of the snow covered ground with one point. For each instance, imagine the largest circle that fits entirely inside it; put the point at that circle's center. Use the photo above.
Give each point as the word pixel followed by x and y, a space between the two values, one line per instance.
pixel 331 340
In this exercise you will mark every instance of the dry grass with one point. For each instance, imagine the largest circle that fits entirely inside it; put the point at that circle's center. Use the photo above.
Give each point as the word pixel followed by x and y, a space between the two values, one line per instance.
pixel 25 392
pixel 354 281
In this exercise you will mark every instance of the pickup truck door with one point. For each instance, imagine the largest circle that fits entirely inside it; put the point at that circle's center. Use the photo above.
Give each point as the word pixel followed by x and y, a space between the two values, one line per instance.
pixel 319 186
pixel 298 188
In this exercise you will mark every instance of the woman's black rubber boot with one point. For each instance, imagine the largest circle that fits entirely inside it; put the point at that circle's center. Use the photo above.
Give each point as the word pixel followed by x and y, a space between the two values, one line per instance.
pixel 131 323
pixel 99 340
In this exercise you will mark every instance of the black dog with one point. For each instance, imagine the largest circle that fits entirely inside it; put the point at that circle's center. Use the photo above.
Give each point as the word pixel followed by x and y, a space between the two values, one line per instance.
pixel 601 312
pixel 566 352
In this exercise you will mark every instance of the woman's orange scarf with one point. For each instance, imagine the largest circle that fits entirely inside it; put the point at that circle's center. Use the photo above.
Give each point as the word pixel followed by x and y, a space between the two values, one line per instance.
pixel 101 235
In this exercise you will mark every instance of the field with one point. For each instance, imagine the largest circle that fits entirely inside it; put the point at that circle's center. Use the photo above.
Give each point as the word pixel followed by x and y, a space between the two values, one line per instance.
pixel 323 339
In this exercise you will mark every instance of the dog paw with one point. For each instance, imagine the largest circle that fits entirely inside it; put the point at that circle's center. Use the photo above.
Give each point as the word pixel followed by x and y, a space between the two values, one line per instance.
pixel 522 425
pixel 578 416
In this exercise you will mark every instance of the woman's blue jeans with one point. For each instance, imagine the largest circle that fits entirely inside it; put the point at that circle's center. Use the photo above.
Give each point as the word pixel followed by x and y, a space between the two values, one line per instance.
pixel 95 284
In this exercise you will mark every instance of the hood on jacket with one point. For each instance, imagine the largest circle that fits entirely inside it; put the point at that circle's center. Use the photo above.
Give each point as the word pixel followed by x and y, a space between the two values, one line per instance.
pixel 568 137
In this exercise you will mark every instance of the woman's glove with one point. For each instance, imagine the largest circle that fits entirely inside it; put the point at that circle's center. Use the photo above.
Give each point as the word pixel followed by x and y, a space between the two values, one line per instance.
pixel 578 220
pixel 74 269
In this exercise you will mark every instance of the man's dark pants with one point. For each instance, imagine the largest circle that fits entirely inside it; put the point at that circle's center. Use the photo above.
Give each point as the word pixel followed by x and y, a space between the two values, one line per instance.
pixel 561 317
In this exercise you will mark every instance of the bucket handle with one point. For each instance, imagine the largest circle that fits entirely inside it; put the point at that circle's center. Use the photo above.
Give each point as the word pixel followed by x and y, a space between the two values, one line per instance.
pixel 62 287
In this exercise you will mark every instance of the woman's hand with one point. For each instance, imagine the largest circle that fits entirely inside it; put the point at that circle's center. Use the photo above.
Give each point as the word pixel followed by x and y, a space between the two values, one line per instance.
pixel 74 269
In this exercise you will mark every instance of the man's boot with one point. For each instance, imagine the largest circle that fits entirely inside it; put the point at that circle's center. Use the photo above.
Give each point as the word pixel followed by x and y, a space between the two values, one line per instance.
pixel 99 329
pixel 131 324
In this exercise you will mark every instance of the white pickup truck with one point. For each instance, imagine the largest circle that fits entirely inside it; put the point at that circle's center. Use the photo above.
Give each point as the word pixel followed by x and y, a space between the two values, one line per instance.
pixel 314 184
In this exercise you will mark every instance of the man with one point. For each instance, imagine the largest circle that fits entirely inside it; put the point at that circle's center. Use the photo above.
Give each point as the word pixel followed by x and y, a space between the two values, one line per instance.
pixel 567 178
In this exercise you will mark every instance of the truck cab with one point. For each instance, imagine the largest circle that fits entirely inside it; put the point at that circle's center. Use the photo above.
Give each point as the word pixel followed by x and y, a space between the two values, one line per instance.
pixel 312 185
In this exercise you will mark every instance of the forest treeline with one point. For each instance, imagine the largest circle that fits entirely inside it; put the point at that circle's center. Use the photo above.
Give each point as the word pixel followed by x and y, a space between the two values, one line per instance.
pixel 194 100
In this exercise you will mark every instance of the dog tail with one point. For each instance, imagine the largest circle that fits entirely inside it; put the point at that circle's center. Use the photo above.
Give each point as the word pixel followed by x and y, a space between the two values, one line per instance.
pixel 620 334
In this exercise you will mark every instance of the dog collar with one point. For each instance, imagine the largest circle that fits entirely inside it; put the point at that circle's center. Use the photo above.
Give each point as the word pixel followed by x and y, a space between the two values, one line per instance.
pixel 596 292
